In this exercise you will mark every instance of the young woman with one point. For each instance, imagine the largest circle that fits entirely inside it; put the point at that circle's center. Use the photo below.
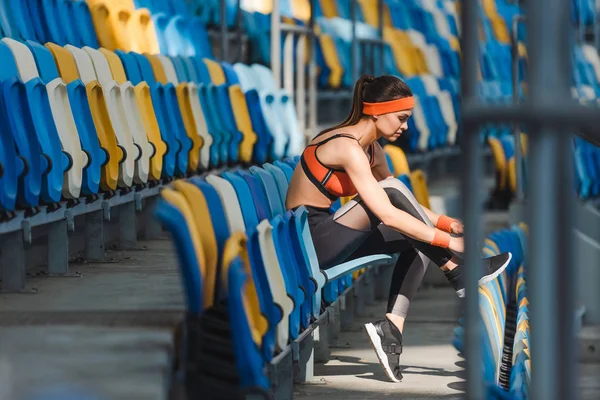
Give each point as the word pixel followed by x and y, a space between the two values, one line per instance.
pixel 384 216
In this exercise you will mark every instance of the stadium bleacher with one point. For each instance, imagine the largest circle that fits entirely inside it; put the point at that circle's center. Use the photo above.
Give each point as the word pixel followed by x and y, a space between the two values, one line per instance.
pixel 107 96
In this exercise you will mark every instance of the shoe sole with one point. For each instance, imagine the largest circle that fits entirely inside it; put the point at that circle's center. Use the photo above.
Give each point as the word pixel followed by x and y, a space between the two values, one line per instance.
pixel 376 343
pixel 490 277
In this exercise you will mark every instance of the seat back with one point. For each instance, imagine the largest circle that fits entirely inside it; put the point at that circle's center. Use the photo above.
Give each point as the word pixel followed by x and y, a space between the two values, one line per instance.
pixel 241 309
pixel 231 204
pixel 258 194
pixel 270 187
pixel 280 180
pixel 175 214
pixel 206 233
pixel 244 198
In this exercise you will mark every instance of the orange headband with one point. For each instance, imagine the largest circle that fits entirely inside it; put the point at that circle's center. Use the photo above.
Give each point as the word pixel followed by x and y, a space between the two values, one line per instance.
pixel 389 106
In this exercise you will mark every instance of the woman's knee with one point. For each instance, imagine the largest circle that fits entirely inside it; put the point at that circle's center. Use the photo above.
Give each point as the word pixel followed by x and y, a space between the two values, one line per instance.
pixel 401 197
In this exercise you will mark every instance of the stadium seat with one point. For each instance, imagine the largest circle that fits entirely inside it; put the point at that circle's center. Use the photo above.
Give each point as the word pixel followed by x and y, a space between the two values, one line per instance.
pixel 111 95
pixel 173 113
pixel 146 114
pixel 245 334
pixel 35 147
pixel 176 215
pixel 47 59
pixel 62 117
pixel 89 103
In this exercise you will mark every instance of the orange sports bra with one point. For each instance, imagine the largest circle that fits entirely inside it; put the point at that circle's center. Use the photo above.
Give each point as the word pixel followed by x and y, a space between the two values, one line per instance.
pixel 332 182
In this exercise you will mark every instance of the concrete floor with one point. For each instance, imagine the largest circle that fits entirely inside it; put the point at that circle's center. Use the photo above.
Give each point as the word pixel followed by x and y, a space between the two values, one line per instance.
pixel 431 366
pixel 108 332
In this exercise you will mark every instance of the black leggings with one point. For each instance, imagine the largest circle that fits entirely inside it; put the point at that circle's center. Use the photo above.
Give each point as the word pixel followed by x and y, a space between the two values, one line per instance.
pixel 336 243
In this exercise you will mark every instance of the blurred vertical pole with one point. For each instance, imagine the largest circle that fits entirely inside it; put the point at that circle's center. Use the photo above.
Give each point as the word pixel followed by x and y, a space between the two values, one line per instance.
pixel 354 65
pixel 516 100
pixel 551 282
pixel 471 200
pixel 276 44
pixel 312 77
pixel 224 30
pixel 381 70
pixel 240 34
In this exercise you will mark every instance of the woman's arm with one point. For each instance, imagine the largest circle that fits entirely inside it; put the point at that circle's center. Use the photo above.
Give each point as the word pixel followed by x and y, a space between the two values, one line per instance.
pixel 356 165
pixel 381 171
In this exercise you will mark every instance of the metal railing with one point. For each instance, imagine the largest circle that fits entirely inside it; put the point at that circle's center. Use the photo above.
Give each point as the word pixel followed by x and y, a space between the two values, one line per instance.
pixel 549 113
pixel 296 88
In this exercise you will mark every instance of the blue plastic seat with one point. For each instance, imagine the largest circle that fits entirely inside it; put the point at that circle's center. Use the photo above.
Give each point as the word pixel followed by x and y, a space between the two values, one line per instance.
pixel 308 283
pixel 258 195
pixel 157 92
pixel 245 199
pixel 217 215
pixel 83 24
pixel 56 14
pixel 219 150
pixel 268 307
pixel 290 273
pixel 280 180
pixel 272 192
pixel 11 167
pixel 233 137
pixel 171 105
pixel 19 12
pixel 249 361
pixel 287 169
pixel 82 115
pixel 28 112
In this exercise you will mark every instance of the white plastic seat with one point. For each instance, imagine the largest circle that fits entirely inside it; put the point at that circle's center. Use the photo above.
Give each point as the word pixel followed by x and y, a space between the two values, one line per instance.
pixel 116 112
pixel 233 211
pixel 271 100
pixel 276 282
pixel 132 113
pixel 421 124
pixel 445 99
pixel 61 113
pixel 129 106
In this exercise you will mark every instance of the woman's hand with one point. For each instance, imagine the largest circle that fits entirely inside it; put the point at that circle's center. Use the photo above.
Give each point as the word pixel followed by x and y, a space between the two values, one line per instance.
pixel 457 245
pixel 457 228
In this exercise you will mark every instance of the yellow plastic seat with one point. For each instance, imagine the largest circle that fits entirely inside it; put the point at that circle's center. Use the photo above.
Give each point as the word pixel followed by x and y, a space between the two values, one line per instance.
pixel 332 60
pixel 240 110
pixel 148 116
pixel 185 106
pixel 243 122
pixel 68 71
pixel 143 32
pixel 419 185
pixel 301 9
pixel 217 76
pixel 178 200
pixel 402 50
pixel 236 246
pixel 512 175
pixel 399 161
pixel 499 161
pixel 206 233
pixel 101 16
pixel 328 8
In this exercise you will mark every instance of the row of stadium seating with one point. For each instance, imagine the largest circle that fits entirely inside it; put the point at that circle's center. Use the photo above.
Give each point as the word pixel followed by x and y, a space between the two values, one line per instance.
pixel 82 121
pixel 505 363
pixel 429 63
pixel 240 252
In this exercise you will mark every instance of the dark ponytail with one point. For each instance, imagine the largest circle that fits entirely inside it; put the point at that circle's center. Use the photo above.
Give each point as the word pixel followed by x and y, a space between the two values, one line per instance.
pixel 373 90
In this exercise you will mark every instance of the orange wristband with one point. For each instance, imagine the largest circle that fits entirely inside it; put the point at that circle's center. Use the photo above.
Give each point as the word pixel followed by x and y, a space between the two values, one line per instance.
pixel 444 223
pixel 441 239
